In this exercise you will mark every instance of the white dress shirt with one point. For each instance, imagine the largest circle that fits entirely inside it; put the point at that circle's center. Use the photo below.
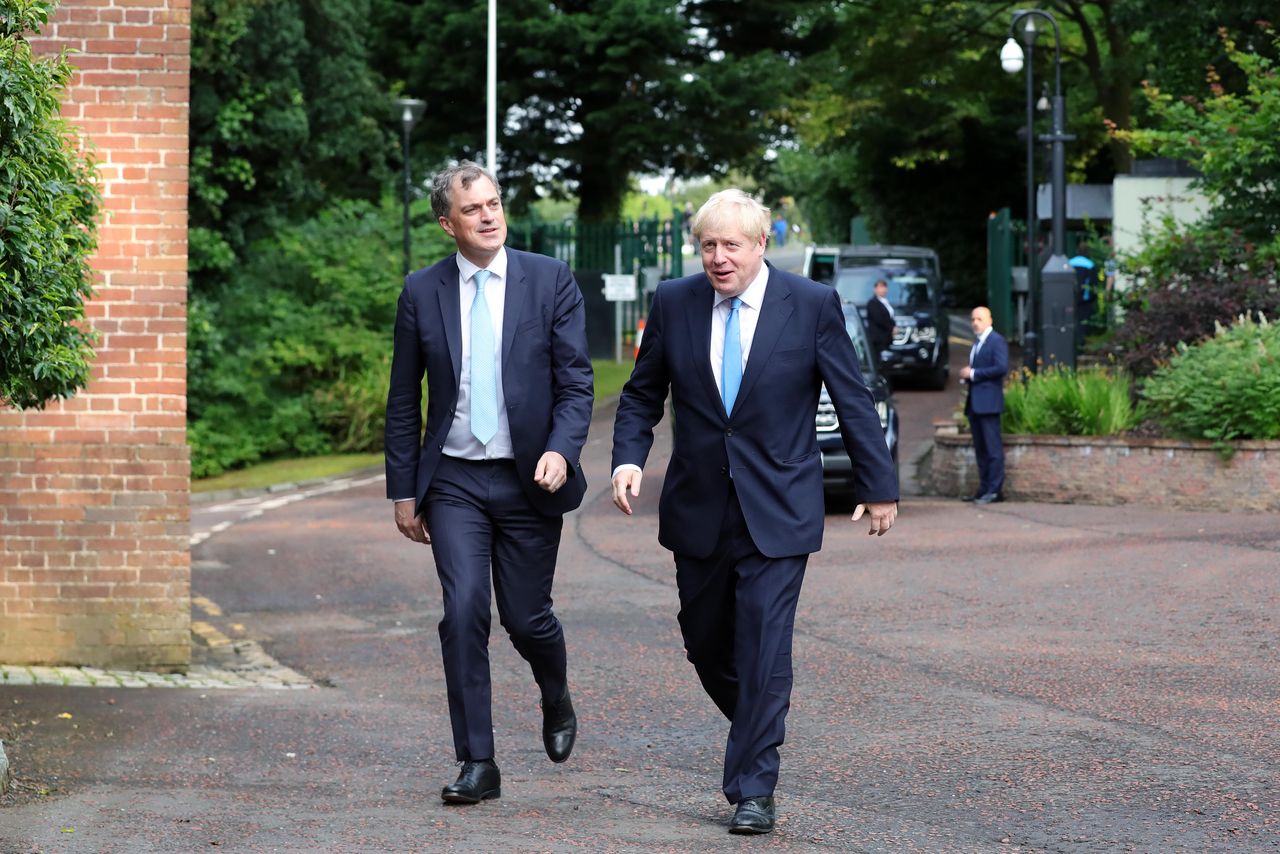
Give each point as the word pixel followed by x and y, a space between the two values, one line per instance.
pixel 460 441
pixel 977 345
pixel 748 316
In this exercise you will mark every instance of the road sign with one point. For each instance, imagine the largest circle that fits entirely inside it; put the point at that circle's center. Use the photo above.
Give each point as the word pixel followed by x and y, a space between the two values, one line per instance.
pixel 620 287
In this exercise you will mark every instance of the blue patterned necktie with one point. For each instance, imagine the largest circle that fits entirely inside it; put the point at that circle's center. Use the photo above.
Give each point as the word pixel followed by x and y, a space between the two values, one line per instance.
pixel 484 375
pixel 731 368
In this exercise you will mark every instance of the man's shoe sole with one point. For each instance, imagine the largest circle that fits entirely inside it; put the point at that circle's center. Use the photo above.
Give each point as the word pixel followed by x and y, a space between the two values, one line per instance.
pixel 461 799
pixel 747 830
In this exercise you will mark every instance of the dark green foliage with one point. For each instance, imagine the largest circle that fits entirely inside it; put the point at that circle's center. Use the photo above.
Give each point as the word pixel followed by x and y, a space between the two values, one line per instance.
pixel 48 204
pixel 1064 402
pixel 1193 278
pixel 292 358
pixel 591 92
pixel 1224 388
pixel 286 115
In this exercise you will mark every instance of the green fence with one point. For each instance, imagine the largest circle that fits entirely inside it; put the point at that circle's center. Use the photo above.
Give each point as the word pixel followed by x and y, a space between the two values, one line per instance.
pixel 1007 249
pixel 649 248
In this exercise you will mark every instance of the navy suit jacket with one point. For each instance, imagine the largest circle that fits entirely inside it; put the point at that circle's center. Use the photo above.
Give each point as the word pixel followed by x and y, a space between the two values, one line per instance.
pixel 986 386
pixel 546 375
pixel 769 441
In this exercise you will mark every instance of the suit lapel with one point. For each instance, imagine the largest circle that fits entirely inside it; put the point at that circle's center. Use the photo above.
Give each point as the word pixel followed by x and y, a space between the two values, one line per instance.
pixel 451 314
pixel 703 299
pixel 516 292
pixel 774 314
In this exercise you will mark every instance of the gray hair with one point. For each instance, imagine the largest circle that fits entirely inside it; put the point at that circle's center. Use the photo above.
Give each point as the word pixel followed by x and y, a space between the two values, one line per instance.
pixel 442 184
pixel 732 208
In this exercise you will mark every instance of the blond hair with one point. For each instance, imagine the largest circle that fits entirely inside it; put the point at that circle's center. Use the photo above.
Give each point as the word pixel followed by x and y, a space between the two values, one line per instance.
pixel 733 209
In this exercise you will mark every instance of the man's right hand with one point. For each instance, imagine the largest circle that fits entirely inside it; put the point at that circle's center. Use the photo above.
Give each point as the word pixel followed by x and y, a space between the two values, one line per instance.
pixel 627 479
pixel 413 527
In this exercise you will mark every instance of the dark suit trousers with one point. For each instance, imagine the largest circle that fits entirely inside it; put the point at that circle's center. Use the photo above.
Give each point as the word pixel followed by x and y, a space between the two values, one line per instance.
pixel 737 613
pixel 481 523
pixel 988 447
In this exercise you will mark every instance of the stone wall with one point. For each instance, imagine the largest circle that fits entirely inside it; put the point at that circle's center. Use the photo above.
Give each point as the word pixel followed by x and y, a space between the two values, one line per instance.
pixel 94 512
pixel 1097 470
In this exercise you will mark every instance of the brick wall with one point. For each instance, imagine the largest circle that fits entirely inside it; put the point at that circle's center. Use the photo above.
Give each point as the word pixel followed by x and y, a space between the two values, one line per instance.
pixel 94 512
pixel 1101 470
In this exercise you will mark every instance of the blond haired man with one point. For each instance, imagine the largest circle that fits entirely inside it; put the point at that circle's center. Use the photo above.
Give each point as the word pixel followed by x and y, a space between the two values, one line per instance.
pixel 743 349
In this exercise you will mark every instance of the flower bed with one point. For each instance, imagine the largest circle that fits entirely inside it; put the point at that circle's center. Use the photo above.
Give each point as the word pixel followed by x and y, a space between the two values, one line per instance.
pixel 1171 473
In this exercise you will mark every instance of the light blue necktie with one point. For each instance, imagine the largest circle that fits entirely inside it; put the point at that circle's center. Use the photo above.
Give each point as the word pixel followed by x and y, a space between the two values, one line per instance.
pixel 484 375
pixel 731 369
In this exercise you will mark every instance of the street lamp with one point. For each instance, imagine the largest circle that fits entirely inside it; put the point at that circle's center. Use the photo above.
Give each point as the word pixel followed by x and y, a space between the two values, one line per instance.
pixel 411 109
pixel 1056 273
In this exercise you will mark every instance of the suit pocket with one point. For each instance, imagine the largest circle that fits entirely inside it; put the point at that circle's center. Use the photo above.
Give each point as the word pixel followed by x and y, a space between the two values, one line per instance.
pixel 791 355
pixel 794 460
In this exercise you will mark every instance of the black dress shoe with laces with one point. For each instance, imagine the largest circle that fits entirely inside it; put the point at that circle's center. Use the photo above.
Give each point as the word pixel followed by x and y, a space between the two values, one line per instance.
pixel 559 728
pixel 478 781
pixel 753 815
pixel 989 498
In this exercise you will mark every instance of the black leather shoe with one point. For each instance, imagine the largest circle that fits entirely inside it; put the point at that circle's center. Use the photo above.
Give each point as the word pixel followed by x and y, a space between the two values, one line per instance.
pixel 989 498
pixel 559 728
pixel 753 815
pixel 973 497
pixel 478 781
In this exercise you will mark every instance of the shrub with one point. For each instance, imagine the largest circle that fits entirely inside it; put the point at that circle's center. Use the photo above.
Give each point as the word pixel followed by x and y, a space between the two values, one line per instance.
pixel 48 205
pixel 291 357
pixel 1225 388
pixel 1059 401
pixel 1192 279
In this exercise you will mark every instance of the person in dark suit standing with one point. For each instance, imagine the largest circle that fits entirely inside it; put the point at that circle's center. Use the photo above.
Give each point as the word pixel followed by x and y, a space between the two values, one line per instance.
pixel 501 338
pixel 985 373
pixel 880 326
pixel 743 349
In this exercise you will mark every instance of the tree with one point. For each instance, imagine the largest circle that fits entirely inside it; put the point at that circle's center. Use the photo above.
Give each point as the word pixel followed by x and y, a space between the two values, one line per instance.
pixel 592 91
pixel 286 115
pixel 48 205
pixel 1230 138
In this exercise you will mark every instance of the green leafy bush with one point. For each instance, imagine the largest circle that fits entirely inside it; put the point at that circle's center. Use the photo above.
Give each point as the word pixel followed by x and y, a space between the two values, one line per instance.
pixel 291 356
pixel 1063 402
pixel 1225 388
pixel 48 205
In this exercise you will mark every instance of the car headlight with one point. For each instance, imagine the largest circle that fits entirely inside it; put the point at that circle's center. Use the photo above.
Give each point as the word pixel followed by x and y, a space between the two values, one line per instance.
pixel 924 334
pixel 882 409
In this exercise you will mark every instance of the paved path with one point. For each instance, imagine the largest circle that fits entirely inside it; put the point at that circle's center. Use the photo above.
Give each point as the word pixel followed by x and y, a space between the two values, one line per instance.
pixel 1024 677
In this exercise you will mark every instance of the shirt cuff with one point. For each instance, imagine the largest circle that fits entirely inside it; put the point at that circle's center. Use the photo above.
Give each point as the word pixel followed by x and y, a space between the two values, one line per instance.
pixel 625 467
pixel 402 500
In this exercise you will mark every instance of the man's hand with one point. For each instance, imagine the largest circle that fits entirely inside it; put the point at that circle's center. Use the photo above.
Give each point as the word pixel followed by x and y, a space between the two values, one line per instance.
pixel 966 373
pixel 413 527
pixel 622 481
pixel 552 471
pixel 882 515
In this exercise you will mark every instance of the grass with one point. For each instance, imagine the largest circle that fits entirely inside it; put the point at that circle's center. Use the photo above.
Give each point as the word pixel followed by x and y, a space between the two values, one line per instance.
pixel 609 378
pixel 286 471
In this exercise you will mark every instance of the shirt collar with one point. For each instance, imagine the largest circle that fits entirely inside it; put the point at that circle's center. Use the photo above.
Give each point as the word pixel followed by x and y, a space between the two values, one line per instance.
pixel 753 296
pixel 498 266
pixel 985 333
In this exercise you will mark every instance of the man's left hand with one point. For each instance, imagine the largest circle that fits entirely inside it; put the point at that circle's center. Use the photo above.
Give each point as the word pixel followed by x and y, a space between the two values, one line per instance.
pixel 882 513
pixel 966 373
pixel 552 471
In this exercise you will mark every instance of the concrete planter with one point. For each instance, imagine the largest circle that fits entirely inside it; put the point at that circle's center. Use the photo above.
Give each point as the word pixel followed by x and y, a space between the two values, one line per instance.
pixel 1107 470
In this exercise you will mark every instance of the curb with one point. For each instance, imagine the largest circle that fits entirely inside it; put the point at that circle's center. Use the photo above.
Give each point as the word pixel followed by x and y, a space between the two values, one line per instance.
pixel 4 771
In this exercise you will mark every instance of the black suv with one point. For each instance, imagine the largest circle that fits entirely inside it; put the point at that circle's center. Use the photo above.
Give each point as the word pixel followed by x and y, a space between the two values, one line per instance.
pixel 837 470
pixel 919 350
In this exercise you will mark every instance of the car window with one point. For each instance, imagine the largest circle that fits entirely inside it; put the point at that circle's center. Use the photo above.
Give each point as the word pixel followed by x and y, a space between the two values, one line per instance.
pixel 822 269
pixel 859 337
pixel 907 286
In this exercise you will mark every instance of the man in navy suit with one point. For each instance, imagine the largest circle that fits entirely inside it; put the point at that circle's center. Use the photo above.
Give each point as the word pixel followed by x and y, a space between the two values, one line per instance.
pixel 985 373
pixel 501 338
pixel 880 315
pixel 744 349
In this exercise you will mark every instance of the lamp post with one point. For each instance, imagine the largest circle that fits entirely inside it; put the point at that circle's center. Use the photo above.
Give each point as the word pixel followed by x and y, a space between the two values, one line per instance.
pixel 411 110
pixel 1059 325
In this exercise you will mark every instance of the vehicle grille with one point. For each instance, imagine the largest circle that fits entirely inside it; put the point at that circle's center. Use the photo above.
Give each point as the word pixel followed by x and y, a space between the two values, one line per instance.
pixel 826 420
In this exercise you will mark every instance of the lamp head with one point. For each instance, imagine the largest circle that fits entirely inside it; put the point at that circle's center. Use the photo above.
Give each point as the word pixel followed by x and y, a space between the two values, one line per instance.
pixel 411 110
pixel 1011 56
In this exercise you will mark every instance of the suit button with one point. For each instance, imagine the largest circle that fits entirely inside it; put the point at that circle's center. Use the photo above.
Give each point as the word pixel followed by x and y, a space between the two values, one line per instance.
pixel 729 432
pixel 442 447
pixel 724 469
